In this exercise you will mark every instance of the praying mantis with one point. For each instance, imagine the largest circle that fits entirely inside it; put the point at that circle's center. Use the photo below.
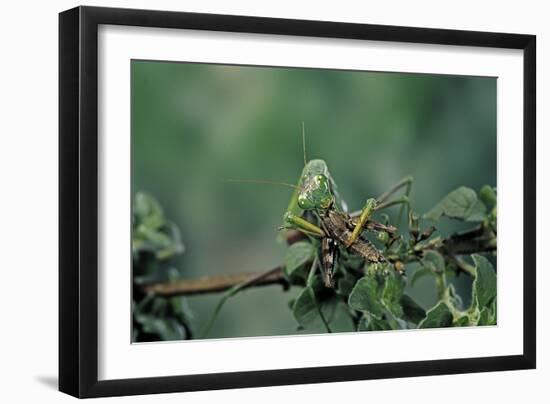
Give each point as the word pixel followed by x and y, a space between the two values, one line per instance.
pixel 317 210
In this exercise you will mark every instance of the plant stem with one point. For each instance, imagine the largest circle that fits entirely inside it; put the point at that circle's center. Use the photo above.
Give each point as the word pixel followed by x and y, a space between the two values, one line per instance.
pixel 465 243
pixel 232 291
pixel 217 283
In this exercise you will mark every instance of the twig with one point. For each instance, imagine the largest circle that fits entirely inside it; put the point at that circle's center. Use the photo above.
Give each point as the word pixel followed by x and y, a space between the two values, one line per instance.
pixel 217 283
pixel 468 242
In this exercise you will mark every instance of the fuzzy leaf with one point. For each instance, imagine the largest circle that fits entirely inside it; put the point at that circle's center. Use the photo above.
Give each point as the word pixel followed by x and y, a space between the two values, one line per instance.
pixel 297 255
pixel 148 211
pixel 437 316
pixel 328 307
pixel 454 298
pixel 365 296
pixel 485 282
pixel 345 285
pixel 462 322
pixel 394 322
pixel 412 311
pixel 434 261
pixel 373 324
pixel 488 196
pixel 462 204
pixel 484 317
pixel 493 313
pixel 168 329
pixel 392 292
pixel 305 308
pixel 419 273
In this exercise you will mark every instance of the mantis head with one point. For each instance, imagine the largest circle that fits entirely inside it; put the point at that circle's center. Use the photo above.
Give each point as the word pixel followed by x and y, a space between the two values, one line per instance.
pixel 315 192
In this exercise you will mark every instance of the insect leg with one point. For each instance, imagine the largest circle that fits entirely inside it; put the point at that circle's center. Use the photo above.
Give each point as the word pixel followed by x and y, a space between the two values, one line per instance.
pixel 404 183
pixel 299 223
pixel 366 212
pixel 328 250
pixel 403 201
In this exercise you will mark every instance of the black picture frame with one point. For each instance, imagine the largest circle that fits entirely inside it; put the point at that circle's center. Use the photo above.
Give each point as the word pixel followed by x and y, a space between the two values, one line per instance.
pixel 78 200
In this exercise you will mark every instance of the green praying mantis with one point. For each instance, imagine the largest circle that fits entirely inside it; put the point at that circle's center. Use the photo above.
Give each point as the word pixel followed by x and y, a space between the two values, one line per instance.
pixel 317 210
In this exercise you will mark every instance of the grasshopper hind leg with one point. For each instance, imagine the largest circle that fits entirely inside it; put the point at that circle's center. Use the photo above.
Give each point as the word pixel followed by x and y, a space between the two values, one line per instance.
pixel 329 250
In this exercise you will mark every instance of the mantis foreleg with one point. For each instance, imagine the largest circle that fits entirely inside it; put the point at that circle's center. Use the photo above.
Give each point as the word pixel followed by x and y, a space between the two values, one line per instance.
pixel 405 182
pixel 403 201
pixel 293 221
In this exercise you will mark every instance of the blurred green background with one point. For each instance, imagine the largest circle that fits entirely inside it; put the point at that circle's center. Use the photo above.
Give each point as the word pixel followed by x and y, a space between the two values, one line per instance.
pixel 194 125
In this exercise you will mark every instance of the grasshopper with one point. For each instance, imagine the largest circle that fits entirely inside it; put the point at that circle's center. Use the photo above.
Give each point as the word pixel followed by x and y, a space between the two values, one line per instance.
pixel 329 221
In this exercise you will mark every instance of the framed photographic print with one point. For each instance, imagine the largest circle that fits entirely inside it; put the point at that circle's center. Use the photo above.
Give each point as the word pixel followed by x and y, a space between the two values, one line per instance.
pixel 251 201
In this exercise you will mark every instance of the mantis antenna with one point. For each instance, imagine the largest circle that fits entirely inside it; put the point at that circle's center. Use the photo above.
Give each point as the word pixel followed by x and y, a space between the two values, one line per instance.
pixel 285 184
pixel 304 142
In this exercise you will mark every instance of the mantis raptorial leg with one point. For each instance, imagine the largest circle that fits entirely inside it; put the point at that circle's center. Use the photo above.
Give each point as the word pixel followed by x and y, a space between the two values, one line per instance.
pixel 403 201
pixel 301 224
pixel 382 200
pixel 405 182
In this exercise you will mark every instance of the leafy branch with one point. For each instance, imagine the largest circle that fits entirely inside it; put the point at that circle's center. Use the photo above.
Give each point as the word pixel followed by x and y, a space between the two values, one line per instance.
pixel 372 296
pixel 468 242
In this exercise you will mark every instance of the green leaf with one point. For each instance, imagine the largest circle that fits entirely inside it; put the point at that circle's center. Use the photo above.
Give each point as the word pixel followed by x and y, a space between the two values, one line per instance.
pixel 369 323
pixel 297 255
pixel 485 282
pixel 345 285
pixel 418 274
pixel 291 303
pixel 174 233
pixel 462 204
pixel 493 313
pixel 484 317
pixel 328 307
pixel 164 242
pixel 148 211
pixel 341 320
pixel 394 322
pixel 412 311
pixel 434 261
pixel 454 298
pixel 438 316
pixel 168 329
pixel 462 322
pixel 365 296
pixel 392 292
pixel 473 312
pixel 488 196
pixel 305 308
